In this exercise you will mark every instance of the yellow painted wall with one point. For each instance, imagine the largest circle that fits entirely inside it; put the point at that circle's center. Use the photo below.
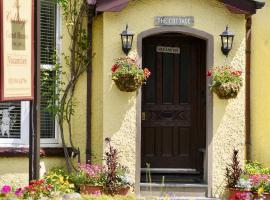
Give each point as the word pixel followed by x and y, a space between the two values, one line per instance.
pixel 97 90
pixel 119 108
pixel 14 171
pixel 260 82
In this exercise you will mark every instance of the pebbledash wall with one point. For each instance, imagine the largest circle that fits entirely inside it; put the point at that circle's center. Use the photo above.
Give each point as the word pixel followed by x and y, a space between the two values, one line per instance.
pixel 115 112
pixel 260 98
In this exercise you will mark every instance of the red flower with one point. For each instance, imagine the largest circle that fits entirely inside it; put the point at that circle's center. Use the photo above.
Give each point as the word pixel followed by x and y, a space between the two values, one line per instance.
pixel 209 73
pixel 146 72
pixel 237 73
pixel 114 67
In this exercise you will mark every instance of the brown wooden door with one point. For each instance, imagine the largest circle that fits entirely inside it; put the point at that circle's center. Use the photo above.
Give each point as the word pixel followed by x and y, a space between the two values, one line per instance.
pixel 173 102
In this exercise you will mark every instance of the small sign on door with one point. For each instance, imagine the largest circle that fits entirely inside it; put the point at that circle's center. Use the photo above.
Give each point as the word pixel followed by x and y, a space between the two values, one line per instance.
pixel 173 50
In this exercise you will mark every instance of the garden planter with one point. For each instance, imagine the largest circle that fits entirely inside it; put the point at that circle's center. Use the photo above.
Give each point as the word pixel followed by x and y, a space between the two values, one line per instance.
pixel 90 189
pixel 266 196
pixel 227 90
pixel 123 191
pixel 128 83
pixel 234 191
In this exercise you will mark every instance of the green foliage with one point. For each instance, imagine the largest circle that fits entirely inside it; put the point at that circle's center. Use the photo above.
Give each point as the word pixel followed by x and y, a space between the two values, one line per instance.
pixel 81 178
pixel 254 167
pixel 37 189
pixel 61 83
pixel 127 66
pixel 225 74
pixel 59 180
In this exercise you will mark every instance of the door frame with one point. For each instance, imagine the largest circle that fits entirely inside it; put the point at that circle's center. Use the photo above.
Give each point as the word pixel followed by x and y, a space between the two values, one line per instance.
pixel 209 99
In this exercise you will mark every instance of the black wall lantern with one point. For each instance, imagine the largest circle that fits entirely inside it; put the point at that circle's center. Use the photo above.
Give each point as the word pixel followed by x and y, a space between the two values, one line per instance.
pixel 127 39
pixel 227 41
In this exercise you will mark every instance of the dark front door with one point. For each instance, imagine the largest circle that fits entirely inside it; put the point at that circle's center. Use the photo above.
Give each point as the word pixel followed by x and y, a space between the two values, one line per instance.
pixel 174 102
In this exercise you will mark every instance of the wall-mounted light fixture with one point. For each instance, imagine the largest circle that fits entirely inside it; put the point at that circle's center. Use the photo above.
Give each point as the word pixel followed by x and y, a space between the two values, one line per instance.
pixel 227 41
pixel 127 39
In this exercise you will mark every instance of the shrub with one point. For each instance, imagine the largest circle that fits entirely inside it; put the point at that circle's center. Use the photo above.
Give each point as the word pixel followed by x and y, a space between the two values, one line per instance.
pixel 116 175
pixel 233 171
pixel 253 167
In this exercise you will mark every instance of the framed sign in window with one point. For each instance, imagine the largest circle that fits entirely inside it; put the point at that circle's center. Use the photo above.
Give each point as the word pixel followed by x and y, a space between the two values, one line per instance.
pixel 16 50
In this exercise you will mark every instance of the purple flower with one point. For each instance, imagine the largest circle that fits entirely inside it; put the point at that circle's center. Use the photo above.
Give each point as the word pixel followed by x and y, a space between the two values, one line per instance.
pixel 5 189
pixel 18 192
pixel 91 2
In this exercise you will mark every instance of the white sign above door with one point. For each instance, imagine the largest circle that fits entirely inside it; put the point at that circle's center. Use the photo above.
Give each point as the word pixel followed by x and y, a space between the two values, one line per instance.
pixel 173 50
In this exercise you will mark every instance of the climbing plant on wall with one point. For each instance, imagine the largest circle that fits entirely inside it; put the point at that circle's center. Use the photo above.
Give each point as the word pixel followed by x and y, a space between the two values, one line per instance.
pixel 67 73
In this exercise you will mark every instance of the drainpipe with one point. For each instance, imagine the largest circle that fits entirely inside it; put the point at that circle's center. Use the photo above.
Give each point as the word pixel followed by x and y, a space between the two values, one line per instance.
pixel 90 16
pixel 247 99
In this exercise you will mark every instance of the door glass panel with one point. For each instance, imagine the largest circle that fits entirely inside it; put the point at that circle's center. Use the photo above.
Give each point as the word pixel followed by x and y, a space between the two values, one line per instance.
pixel 167 77
pixel 150 86
pixel 184 74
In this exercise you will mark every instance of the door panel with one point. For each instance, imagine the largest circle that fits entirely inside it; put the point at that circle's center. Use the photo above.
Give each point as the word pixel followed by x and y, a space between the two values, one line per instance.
pixel 173 103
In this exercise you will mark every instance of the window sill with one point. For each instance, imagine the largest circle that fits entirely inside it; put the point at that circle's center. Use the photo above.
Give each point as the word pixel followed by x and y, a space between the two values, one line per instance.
pixel 24 152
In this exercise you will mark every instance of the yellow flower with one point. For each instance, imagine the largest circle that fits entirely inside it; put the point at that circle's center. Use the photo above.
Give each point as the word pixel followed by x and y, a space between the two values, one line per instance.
pixel 61 179
pixel 260 191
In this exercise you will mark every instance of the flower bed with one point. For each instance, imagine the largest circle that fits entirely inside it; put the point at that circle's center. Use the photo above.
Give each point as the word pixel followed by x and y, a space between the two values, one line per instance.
pixel 252 182
pixel 111 179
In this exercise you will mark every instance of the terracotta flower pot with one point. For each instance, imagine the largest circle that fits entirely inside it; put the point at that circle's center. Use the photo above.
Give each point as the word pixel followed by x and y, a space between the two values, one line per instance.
pixel 266 195
pixel 123 191
pixel 91 189
pixel 234 191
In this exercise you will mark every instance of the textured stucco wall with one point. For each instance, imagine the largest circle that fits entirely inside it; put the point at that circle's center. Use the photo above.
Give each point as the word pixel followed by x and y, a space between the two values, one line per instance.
pixel 260 98
pixel 119 108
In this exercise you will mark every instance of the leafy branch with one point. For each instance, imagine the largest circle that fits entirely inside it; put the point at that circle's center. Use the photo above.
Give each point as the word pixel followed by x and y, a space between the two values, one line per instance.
pixel 62 102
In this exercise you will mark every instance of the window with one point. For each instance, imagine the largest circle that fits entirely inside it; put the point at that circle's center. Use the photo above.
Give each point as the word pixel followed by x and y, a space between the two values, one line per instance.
pixel 14 116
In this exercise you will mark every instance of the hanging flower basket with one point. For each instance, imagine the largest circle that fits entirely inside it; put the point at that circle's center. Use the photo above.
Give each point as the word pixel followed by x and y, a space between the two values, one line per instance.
pixel 127 74
pixel 226 82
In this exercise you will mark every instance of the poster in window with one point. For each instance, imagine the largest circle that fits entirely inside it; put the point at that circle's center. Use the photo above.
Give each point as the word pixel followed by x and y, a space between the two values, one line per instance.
pixel 16 50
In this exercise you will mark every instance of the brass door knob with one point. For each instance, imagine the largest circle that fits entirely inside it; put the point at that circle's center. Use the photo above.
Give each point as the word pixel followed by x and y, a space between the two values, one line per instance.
pixel 143 116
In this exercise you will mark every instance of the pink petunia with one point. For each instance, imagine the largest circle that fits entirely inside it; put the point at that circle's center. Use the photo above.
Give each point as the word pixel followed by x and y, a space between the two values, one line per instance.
pixel 5 189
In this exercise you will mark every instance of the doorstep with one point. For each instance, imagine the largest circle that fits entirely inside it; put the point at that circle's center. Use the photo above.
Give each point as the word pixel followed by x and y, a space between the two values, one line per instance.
pixel 175 190
pixel 180 198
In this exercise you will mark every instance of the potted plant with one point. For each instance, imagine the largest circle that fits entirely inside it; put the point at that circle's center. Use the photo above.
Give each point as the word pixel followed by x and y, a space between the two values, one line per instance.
pixel 89 179
pixel 226 81
pixel 127 75
pixel 261 185
pixel 117 181
pixel 236 184
pixel 259 178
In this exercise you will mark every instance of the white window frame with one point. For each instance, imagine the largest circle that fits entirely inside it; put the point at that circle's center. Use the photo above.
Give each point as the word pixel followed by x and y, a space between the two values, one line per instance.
pixel 23 141
pixel 54 142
